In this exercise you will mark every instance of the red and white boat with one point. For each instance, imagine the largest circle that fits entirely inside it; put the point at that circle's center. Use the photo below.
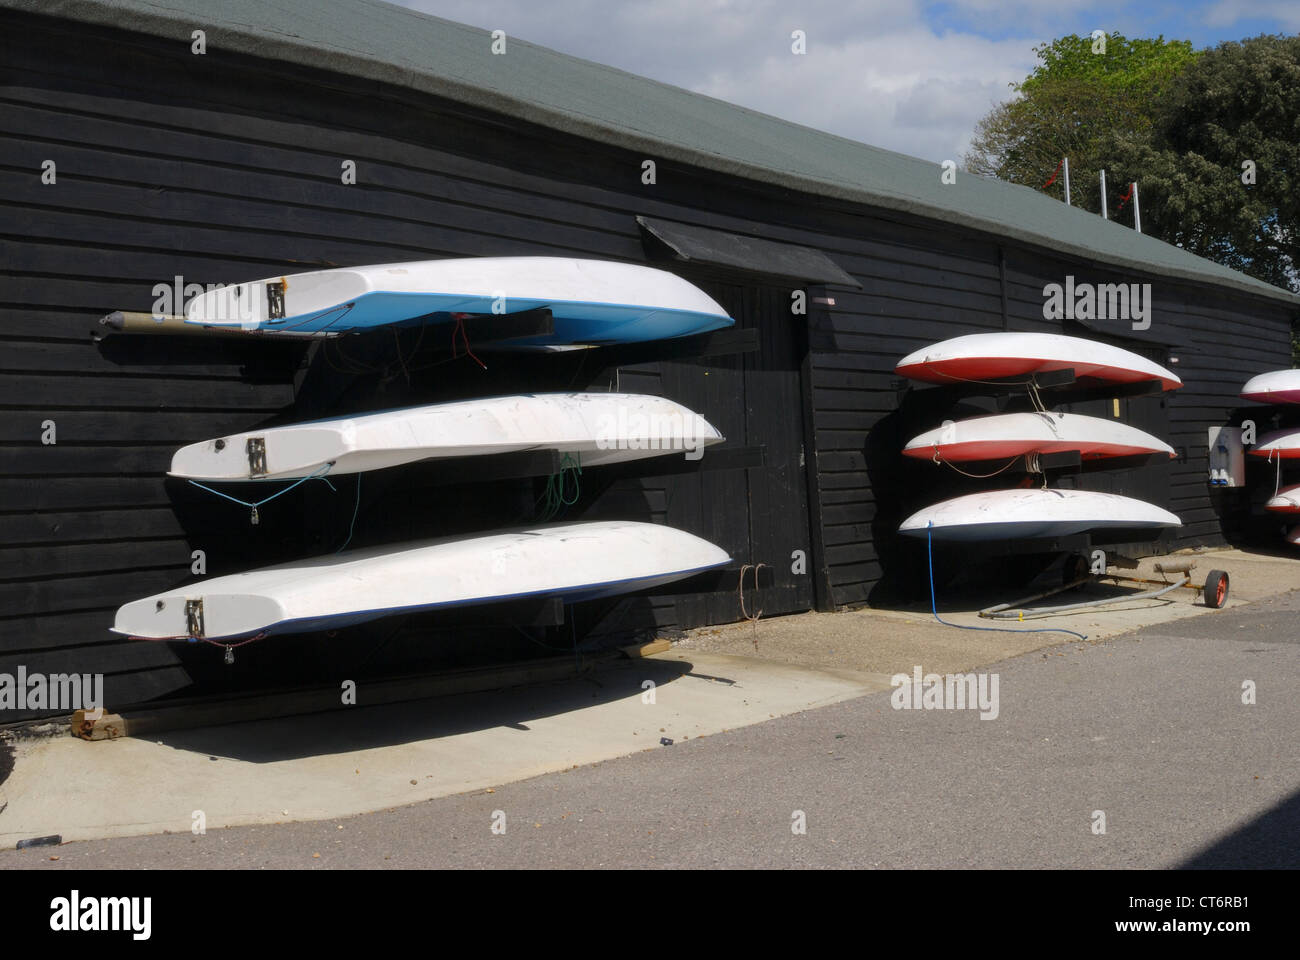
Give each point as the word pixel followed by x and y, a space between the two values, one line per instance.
pixel 1286 500
pixel 1276 386
pixel 1031 513
pixel 1278 445
pixel 984 357
pixel 1005 435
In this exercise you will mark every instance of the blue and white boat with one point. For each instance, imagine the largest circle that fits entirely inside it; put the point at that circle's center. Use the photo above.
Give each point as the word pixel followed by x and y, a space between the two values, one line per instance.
pixel 592 301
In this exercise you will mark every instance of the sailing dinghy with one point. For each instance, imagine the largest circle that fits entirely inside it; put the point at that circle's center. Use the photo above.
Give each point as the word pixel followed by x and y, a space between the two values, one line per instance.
pixel 1032 513
pixel 1006 435
pixel 592 301
pixel 987 357
pixel 569 561
pixel 597 428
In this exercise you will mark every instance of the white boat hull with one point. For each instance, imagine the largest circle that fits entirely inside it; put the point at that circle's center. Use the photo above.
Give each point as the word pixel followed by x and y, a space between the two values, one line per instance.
pixel 1278 445
pixel 574 561
pixel 597 428
pixel 984 357
pixel 1007 435
pixel 1286 500
pixel 1032 513
pixel 1276 386
pixel 592 301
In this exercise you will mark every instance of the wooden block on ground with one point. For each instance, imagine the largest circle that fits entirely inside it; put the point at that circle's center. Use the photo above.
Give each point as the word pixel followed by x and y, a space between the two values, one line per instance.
pixel 647 649
pixel 97 725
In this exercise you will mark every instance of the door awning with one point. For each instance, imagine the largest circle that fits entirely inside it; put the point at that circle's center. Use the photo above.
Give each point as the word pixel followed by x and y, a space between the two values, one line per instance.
pixel 717 248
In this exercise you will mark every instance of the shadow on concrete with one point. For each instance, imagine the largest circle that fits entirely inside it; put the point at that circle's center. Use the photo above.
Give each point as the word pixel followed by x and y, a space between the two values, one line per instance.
pixel 1270 841
pixel 6 761
pixel 966 598
pixel 384 725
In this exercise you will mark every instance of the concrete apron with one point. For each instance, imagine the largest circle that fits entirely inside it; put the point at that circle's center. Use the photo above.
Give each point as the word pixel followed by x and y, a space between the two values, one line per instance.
pixel 1253 577
pixel 365 759
pixel 888 642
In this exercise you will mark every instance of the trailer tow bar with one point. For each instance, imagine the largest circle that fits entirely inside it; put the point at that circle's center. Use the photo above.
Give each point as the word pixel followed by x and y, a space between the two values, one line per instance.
pixel 1214 592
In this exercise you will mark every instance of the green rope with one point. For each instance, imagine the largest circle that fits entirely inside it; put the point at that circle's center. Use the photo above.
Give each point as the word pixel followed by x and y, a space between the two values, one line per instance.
pixel 553 501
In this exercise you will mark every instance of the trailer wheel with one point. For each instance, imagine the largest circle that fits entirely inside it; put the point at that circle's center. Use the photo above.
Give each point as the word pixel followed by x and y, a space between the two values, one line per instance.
pixel 1216 589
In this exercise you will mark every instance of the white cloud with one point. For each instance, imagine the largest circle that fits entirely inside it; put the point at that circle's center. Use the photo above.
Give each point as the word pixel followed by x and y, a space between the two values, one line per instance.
pixel 873 71
pixel 1225 13
pixel 909 90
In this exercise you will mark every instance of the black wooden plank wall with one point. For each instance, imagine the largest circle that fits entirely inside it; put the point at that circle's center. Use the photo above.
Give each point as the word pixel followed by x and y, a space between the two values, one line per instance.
pixel 208 170
pixel 222 168
pixel 919 286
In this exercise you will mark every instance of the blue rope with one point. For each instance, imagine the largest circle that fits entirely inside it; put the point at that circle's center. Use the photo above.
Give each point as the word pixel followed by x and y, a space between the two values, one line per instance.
pixel 318 475
pixel 355 510
pixel 929 546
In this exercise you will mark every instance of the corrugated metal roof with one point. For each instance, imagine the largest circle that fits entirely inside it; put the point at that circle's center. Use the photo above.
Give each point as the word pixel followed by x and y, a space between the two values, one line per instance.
pixel 395 45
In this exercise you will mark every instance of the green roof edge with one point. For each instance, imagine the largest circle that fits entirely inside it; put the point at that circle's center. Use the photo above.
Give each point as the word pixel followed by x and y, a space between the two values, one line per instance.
pixel 365 38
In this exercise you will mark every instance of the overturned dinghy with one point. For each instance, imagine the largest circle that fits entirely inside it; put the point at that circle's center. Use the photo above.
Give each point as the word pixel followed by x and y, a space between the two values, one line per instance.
pixel 1278 445
pixel 1286 500
pixel 1006 435
pixel 985 357
pixel 599 428
pixel 1032 513
pixel 571 561
pixel 1276 386
pixel 591 301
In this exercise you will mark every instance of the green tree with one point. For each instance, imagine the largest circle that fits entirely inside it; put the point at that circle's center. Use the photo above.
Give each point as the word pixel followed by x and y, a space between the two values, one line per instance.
pixel 1081 98
pixel 1211 137
pixel 1220 171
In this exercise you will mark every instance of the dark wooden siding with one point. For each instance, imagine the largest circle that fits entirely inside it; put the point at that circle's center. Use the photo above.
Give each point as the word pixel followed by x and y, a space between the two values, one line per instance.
pixel 171 169
pixel 222 168
pixel 918 286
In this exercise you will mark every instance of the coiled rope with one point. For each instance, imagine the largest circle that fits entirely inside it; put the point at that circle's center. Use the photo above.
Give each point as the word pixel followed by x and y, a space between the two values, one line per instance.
pixel 740 592
pixel 553 499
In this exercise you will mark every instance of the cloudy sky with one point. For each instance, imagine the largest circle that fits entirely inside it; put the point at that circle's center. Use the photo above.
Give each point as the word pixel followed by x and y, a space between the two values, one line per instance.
pixel 909 75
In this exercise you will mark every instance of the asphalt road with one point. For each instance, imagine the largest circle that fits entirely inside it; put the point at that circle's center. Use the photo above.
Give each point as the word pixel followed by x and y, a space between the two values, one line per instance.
pixel 1148 728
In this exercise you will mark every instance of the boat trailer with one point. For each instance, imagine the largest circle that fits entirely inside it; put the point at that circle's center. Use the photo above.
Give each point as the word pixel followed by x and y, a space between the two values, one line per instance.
pixel 1214 590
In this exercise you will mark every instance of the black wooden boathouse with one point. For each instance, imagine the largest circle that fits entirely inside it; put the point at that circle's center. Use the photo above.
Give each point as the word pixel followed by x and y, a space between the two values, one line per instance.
pixel 129 158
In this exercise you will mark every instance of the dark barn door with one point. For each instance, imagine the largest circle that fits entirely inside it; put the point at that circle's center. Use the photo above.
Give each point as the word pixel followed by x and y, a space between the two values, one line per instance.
pixel 759 515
